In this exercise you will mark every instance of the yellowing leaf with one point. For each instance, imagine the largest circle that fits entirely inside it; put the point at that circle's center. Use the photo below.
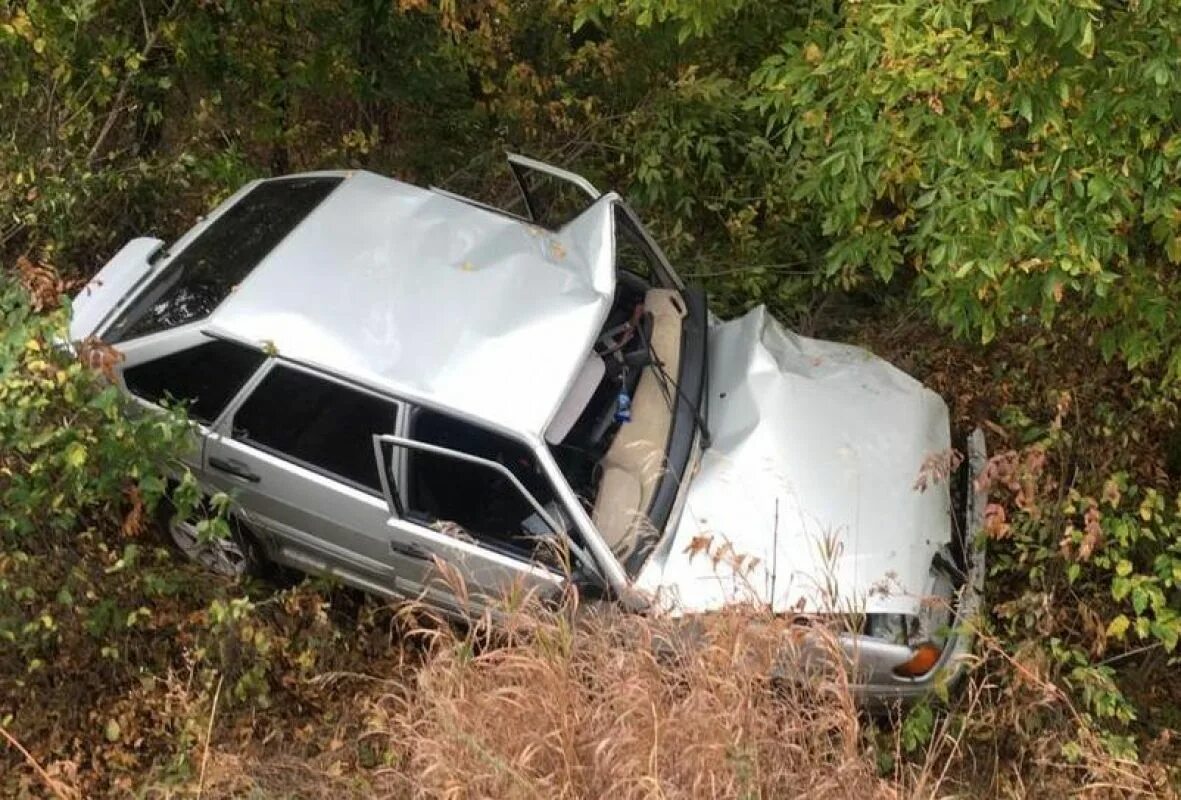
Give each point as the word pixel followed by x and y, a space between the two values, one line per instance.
pixel 76 454
pixel 1118 627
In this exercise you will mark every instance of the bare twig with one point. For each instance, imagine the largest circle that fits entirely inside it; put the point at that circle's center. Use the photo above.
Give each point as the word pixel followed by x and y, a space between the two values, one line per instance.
pixel 143 15
pixel 13 231
pixel 55 786
pixel 1121 656
pixel 117 106
pixel 208 736
pixel 785 268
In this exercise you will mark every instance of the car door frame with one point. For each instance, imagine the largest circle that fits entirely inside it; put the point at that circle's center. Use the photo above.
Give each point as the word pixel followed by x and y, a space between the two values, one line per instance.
pixel 404 583
pixel 436 542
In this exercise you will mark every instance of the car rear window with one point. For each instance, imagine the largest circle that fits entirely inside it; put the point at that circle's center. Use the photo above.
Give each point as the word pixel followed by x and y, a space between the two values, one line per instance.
pixel 205 272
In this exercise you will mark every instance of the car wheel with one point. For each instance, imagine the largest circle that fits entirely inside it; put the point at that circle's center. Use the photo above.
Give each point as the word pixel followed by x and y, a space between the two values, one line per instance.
pixel 234 556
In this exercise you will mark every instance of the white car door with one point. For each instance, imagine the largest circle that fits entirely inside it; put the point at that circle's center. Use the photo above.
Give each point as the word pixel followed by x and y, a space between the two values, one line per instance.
pixel 461 506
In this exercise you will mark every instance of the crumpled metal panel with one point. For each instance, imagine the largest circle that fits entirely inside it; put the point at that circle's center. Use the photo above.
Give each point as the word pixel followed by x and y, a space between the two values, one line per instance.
pixel 102 293
pixel 806 498
pixel 434 299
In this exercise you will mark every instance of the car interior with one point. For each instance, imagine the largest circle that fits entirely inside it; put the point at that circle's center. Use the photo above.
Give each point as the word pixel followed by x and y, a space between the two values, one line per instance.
pixel 481 501
pixel 613 454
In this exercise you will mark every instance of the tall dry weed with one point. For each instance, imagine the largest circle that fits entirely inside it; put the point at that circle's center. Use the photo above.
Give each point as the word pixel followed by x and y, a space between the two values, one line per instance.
pixel 605 704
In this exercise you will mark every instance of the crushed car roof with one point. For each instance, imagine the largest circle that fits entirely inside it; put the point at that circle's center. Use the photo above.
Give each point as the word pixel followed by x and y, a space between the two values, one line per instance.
pixel 441 301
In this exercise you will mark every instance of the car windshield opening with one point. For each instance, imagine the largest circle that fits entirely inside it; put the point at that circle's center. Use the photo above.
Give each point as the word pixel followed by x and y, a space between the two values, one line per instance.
pixel 614 453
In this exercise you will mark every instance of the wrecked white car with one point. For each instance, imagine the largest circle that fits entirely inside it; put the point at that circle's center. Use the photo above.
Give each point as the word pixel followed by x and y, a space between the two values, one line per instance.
pixel 385 375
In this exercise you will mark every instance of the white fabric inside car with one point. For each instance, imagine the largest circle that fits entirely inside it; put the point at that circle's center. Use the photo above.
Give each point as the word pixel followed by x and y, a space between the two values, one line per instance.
pixel 635 461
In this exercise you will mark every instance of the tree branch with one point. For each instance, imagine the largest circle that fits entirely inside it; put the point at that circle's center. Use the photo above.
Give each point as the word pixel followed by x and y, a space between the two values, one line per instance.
pixel 117 106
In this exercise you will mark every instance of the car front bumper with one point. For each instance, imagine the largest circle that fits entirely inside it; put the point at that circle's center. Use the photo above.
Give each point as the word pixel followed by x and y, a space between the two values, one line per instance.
pixel 874 680
pixel 868 663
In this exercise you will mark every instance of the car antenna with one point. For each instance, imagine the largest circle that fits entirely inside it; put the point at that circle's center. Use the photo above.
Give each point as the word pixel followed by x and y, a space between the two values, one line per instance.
pixel 774 556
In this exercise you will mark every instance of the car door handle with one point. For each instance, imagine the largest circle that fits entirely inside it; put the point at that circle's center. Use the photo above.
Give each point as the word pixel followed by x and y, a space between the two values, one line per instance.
pixel 235 468
pixel 410 551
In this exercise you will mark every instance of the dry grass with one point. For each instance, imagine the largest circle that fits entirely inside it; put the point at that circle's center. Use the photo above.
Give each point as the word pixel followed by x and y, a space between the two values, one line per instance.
pixel 595 703
pixel 602 704
pixel 621 706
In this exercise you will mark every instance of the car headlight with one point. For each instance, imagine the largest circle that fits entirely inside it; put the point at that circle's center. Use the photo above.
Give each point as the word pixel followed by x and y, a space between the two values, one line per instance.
pixel 925 633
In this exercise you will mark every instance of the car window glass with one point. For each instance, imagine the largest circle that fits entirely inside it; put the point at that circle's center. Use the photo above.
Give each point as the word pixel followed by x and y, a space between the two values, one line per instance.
pixel 204 378
pixel 632 253
pixel 317 422
pixel 208 269
pixel 479 501
pixel 552 201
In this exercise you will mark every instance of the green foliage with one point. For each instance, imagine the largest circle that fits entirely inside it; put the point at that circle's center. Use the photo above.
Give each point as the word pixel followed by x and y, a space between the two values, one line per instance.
pixel 121 117
pixel 998 160
pixel 1098 563
pixel 1140 559
pixel 1001 160
pixel 1014 156
pixel 917 727
pixel 74 463
pixel 991 162
pixel 72 455
pixel 95 616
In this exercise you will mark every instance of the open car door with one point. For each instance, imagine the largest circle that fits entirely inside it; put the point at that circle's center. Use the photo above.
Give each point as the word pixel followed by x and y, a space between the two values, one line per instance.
pixel 553 196
pixel 491 565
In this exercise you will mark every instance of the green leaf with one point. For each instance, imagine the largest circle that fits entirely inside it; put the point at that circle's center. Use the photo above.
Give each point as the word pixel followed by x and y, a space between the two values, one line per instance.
pixel 1120 588
pixel 1086 44
pixel 1140 600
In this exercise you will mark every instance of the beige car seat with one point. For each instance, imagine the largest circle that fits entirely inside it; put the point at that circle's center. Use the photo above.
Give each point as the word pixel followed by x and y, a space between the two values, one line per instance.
pixel 635 461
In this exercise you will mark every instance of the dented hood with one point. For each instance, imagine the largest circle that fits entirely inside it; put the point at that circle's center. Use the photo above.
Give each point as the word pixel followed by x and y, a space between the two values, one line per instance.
pixel 807 497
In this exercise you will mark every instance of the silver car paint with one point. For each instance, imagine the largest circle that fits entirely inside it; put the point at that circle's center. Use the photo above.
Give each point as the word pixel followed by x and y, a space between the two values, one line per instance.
pixel 809 483
pixel 103 295
pixel 310 519
pixel 431 299
pixel 434 301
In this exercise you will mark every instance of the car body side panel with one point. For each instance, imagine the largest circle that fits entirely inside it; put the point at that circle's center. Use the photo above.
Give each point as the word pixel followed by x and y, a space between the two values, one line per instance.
pixel 314 522
pixel 807 498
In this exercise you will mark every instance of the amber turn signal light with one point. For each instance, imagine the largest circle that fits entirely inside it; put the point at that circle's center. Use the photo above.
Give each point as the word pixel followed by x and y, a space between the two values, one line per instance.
pixel 925 657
